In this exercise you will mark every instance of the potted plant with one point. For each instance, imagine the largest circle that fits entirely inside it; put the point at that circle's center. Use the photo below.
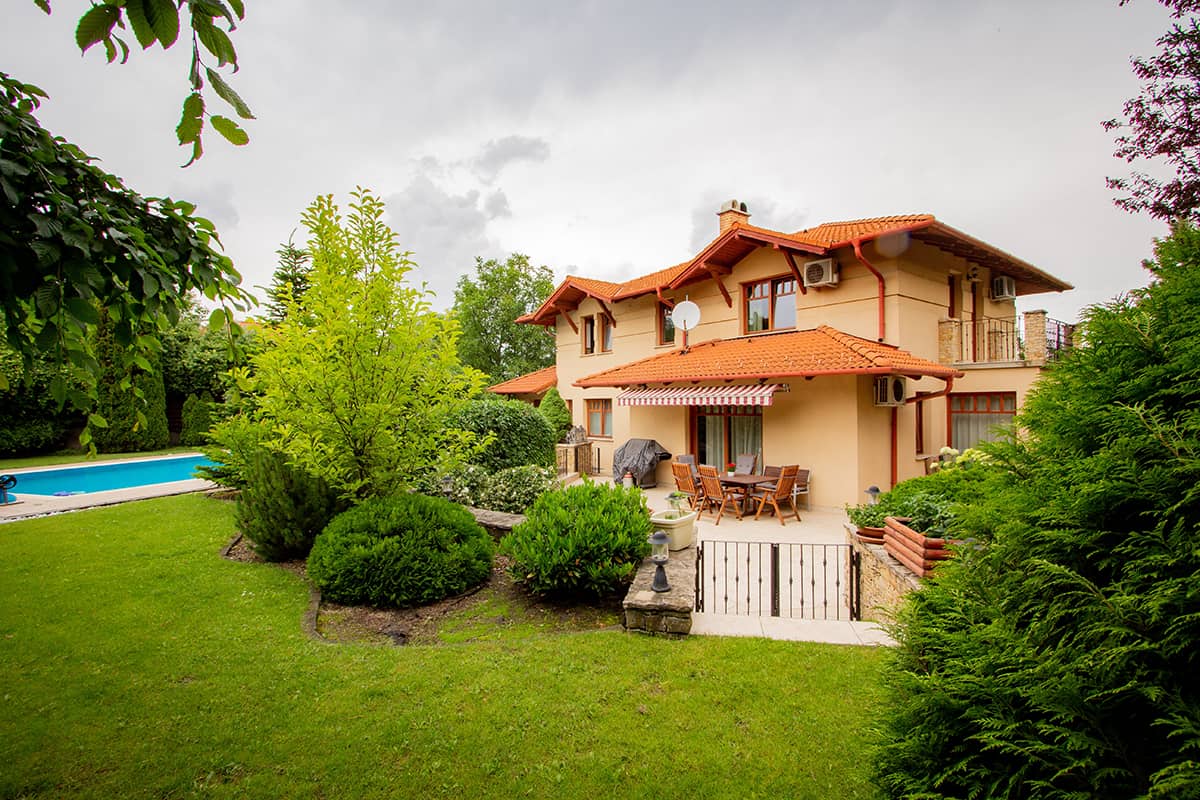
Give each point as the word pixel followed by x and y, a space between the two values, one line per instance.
pixel 679 525
pixel 868 518
pixel 730 466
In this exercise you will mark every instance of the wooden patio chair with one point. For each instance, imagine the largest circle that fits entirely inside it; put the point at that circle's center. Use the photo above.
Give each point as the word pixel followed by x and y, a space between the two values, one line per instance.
pixel 770 471
pixel 803 477
pixel 687 483
pixel 715 493
pixel 746 464
pixel 782 491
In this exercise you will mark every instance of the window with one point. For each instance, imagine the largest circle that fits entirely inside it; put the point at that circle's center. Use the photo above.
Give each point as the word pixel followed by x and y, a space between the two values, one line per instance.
pixel 770 305
pixel 589 335
pixel 606 334
pixel 721 433
pixel 974 417
pixel 599 419
pixel 666 326
pixel 920 425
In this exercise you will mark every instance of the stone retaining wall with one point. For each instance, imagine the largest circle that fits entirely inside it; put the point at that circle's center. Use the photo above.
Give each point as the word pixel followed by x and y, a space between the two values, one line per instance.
pixel 883 581
pixel 496 523
pixel 663 613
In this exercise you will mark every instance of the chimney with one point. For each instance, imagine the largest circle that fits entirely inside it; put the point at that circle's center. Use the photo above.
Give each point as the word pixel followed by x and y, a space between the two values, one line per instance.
pixel 731 212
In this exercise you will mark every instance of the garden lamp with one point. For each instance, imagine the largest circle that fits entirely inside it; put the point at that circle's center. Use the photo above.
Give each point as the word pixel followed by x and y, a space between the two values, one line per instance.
pixel 873 493
pixel 659 555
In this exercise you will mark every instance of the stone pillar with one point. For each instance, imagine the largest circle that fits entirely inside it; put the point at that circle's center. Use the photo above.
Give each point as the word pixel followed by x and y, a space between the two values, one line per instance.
pixel 1035 337
pixel 949 340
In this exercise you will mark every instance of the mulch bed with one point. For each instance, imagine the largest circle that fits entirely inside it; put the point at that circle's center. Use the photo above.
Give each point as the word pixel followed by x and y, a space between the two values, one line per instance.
pixel 338 623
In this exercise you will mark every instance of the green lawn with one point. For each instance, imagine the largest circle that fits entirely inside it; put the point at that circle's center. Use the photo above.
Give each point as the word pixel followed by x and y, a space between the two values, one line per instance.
pixel 135 662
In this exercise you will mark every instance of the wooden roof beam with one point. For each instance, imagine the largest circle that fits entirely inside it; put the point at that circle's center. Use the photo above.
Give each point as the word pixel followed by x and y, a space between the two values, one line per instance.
pixel 791 262
pixel 567 316
pixel 715 273
pixel 611 319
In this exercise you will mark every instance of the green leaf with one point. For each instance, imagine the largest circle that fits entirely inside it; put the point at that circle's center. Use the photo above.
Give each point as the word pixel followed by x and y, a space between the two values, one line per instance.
pixel 142 362
pixel 83 310
pixel 217 319
pixel 215 41
pixel 95 26
pixel 226 93
pixel 230 130
pixel 44 5
pixel 97 421
pixel 191 121
pixel 85 437
pixel 163 16
pixel 238 8
pixel 197 151
pixel 58 390
pixel 140 22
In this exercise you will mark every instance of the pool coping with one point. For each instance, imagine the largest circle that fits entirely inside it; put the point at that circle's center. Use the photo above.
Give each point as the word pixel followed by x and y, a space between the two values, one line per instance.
pixel 32 505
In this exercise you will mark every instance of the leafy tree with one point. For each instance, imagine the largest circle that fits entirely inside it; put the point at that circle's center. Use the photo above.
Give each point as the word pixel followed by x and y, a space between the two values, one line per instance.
pixel 132 399
pixel 1160 124
pixel 1058 657
pixel 32 421
pixel 290 280
pixel 194 359
pixel 359 388
pixel 159 21
pixel 73 239
pixel 514 432
pixel 487 306
pixel 554 409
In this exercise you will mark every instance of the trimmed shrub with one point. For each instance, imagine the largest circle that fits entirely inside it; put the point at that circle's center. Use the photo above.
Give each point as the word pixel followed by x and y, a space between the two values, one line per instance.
pixel 120 406
pixel 556 413
pixel 400 551
pixel 463 485
pixel 282 508
pixel 586 540
pixel 515 489
pixel 197 420
pixel 520 434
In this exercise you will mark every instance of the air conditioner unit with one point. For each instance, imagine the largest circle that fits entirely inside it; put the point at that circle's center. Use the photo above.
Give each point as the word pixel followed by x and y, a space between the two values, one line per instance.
pixel 820 273
pixel 1004 288
pixel 890 390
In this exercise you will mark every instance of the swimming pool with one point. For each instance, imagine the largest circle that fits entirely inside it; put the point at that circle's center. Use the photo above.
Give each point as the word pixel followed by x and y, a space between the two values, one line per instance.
pixel 85 479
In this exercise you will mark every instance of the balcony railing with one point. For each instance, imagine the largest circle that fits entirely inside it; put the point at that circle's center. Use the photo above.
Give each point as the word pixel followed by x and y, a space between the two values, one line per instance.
pixel 1036 340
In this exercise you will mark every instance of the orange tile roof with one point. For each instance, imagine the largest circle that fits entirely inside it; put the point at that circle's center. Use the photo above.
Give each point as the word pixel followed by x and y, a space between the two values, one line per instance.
pixel 791 354
pixel 830 234
pixel 530 383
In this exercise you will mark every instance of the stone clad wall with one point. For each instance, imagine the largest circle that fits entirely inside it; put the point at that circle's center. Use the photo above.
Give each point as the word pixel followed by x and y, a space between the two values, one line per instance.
pixel 883 581
pixel 665 613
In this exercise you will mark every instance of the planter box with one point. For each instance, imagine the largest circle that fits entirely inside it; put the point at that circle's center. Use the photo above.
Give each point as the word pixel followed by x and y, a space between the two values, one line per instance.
pixel 681 530
pixel 913 549
pixel 868 534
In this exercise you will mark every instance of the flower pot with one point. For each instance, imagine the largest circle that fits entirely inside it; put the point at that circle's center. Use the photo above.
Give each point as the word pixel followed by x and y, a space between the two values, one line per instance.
pixel 913 549
pixel 680 530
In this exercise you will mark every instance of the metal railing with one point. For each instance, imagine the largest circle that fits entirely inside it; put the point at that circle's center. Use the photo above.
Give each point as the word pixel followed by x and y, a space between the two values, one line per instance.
pixel 1059 337
pixel 990 340
pixel 779 579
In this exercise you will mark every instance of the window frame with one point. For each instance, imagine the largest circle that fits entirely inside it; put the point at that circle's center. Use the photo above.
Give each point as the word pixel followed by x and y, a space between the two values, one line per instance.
pixel 605 407
pixel 951 412
pixel 587 328
pixel 664 312
pixel 604 338
pixel 772 297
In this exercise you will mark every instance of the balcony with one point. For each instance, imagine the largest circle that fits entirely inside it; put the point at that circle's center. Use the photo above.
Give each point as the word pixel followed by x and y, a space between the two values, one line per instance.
pixel 1034 341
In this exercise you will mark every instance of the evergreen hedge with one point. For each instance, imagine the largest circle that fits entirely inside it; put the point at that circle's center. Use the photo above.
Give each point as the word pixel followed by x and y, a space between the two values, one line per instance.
pixel 520 435
pixel 1060 659
pixel 282 508
pixel 554 409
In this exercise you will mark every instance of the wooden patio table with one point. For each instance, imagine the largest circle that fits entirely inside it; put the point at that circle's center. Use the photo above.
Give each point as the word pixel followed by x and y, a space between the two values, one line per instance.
pixel 746 483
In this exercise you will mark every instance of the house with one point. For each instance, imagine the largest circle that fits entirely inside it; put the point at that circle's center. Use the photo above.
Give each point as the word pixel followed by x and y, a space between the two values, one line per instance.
pixel 857 349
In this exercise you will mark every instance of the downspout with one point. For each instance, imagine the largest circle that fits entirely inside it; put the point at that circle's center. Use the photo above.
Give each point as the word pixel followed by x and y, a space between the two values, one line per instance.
pixel 879 277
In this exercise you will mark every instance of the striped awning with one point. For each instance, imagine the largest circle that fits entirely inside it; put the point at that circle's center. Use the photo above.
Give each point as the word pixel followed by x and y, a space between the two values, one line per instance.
pixel 758 395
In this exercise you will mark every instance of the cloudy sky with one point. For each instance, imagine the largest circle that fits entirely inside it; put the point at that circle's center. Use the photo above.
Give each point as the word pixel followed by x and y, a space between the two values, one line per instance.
pixel 600 137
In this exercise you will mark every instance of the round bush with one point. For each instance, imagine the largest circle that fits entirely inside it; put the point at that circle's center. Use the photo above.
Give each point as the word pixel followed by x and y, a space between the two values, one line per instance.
pixel 522 435
pixel 585 540
pixel 555 410
pixel 400 551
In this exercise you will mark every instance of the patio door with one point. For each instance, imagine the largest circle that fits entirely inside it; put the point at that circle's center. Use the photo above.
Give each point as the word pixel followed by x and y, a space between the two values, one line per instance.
pixel 721 433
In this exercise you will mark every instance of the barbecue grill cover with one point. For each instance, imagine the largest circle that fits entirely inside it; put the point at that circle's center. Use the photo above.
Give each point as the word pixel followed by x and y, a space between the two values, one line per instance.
pixel 640 457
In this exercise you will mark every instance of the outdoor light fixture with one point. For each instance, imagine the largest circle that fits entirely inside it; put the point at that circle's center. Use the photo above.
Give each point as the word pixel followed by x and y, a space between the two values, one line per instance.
pixel 873 493
pixel 659 555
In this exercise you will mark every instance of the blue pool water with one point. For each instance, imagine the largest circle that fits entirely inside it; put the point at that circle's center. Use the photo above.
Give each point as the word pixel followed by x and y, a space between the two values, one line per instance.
pixel 103 477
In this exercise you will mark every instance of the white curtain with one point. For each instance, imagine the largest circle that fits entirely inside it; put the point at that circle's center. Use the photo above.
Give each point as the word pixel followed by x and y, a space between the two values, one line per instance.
pixel 714 439
pixel 971 429
pixel 745 434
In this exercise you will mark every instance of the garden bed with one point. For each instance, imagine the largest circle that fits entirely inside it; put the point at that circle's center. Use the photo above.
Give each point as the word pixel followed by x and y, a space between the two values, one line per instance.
pixel 497 609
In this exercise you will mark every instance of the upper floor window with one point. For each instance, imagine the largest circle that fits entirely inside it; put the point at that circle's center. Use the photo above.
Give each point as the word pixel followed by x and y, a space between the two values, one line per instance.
pixel 974 417
pixel 597 332
pixel 666 325
pixel 770 304
pixel 589 335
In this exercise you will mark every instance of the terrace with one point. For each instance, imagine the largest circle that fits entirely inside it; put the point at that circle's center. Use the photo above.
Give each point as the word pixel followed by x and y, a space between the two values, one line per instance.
pixel 1034 339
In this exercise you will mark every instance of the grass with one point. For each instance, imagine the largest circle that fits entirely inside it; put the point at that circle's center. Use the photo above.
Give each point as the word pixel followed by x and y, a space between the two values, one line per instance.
pixel 135 662
pixel 80 457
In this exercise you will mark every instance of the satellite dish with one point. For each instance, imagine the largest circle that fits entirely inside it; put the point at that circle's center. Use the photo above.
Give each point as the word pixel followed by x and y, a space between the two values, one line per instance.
pixel 686 315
